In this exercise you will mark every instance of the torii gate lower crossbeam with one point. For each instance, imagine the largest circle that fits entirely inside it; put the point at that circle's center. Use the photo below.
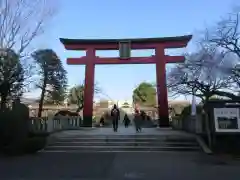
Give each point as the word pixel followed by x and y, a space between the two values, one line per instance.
pixel 160 59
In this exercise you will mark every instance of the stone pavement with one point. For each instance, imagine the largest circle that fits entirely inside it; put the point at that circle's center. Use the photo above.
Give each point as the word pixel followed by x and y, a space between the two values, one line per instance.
pixel 119 166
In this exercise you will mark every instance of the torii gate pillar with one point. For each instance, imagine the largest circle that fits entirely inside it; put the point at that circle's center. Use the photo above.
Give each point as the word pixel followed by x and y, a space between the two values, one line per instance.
pixel 160 59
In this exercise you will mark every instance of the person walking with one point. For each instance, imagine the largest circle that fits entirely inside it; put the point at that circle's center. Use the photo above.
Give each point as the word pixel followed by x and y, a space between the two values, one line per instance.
pixel 115 114
pixel 126 121
pixel 101 121
pixel 138 120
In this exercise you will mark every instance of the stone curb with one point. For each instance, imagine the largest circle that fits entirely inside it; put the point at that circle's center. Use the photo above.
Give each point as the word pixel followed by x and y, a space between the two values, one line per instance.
pixel 203 145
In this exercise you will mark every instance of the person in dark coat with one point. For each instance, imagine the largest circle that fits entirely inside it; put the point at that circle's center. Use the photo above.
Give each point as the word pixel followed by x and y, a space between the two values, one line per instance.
pixel 102 121
pixel 126 121
pixel 138 120
pixel 115 114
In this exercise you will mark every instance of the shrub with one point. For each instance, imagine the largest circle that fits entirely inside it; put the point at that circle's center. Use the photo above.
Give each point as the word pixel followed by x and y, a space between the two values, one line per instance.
pixel 13 128
pixel 29 145
pixel 5 126
pixel 38 134
pixel 13 149
pixel 34 144
pixel 14 132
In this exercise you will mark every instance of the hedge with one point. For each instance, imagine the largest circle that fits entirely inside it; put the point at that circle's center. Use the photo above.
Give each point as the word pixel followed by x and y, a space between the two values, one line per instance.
pixel 15 138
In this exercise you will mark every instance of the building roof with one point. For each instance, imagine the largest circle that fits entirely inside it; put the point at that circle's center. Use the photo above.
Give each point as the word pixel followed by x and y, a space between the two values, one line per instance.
pixel 114 41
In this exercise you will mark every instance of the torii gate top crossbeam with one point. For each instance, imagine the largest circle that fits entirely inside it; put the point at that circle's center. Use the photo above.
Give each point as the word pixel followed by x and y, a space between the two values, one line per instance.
pixel 137 43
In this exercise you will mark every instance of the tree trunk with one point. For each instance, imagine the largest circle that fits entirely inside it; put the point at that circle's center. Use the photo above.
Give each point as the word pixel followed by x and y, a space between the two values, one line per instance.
pixel 42 98
pixel 207 122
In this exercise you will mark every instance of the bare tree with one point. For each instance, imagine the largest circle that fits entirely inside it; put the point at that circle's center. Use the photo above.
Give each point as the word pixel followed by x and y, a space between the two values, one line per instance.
pixel 226 36
pixel 21 21
pixel 201 75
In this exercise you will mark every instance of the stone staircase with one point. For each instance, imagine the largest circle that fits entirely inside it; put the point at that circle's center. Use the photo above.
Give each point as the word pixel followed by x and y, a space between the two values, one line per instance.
pixel 123 143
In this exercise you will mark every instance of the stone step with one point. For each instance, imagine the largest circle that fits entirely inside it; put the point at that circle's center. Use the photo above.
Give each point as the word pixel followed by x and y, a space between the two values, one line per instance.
pixel 124 143
pixel 130 136
pixel 116 148
pixel 125 139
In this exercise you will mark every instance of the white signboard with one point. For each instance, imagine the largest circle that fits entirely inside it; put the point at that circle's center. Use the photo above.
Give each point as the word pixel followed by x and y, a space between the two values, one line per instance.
pixel 227 119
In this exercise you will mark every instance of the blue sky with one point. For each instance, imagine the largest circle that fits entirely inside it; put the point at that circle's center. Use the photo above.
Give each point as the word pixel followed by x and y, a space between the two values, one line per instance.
pixel 126 19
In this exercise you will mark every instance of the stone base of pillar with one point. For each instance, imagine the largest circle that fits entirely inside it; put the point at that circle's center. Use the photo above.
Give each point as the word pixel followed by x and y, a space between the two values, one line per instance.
pixel 87 121
pixel 164 121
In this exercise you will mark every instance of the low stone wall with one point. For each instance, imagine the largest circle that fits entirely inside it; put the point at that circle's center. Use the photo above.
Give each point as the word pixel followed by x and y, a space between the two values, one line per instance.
pixel 46 124
pixel 192 124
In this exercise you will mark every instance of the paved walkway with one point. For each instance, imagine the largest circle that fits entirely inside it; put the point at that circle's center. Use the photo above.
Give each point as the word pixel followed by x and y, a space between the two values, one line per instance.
pixel 119 166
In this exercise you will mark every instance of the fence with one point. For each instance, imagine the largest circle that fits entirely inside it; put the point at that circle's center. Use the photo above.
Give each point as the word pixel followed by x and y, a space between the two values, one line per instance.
pixel 193 124
pixel 46 124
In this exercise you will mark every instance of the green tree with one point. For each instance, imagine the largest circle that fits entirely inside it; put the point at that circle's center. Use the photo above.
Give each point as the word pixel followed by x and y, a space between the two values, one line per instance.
pixel 145 94
pixel 56 96
pixel 11 76
pixel 51 73
pixel 76 95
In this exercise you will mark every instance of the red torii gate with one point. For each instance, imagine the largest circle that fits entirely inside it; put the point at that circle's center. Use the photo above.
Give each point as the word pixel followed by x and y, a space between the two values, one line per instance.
pixel 160 59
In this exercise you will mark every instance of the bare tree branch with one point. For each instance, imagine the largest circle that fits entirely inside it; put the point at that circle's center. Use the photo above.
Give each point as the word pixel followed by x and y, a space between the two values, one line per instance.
pixel 21 21
pixel 201 75
pixel 226 34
